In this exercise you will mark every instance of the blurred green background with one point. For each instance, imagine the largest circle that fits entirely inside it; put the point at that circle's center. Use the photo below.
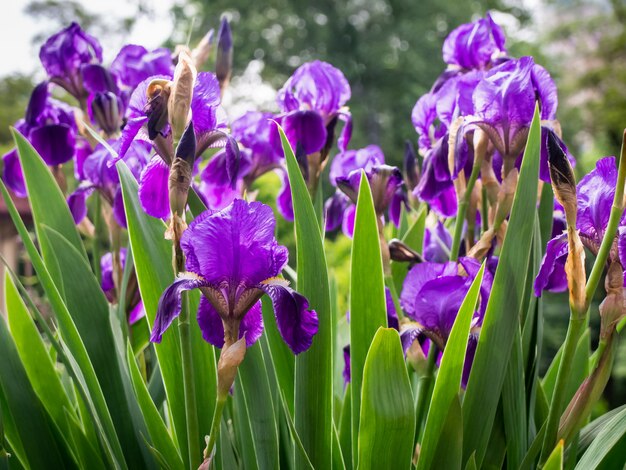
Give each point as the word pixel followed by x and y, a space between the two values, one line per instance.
pixel 390 51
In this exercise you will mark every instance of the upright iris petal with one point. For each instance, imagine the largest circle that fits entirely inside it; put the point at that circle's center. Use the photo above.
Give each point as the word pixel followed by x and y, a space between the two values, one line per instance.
pixel 133 64
pixel 233 257
pixel 65 53
pixel 474 45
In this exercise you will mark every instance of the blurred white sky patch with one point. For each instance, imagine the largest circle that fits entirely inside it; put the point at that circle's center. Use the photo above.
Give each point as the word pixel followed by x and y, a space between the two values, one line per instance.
pixel 18 28
pixel 248 92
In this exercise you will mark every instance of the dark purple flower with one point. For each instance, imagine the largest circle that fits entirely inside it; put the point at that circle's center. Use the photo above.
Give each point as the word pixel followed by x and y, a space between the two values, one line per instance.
pixel 311 100
pixel 346 162
pixel 384 181
pixel 474 45
pixel 65 53
pixel 105 103
pixel 234 258
pixel 334 210
pixel 50 126
pixel 432 295
pixel 504 102
pixel 595 194
pixel 215 187
pixel 437 244
pixel 108 285
pixel 224 59
pixel 284 204
pixel 133 64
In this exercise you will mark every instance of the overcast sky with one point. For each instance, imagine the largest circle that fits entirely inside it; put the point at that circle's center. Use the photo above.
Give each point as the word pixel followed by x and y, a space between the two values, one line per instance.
pixel 17 30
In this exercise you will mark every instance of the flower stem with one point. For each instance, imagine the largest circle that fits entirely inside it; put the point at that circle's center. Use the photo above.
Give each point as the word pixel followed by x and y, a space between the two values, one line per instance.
pixel 576 326
pixel 215 426
pixel 193 442
pixel 461 212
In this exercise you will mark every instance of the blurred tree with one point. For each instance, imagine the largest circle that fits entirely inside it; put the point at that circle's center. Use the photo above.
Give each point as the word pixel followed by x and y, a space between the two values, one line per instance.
pixel 390 50
pixel 14 94
pixel 586 41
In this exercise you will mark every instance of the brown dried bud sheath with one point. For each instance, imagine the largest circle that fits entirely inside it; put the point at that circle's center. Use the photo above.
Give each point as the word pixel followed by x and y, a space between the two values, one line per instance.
pixel 179 103
pixel 562 177
pixel 230 358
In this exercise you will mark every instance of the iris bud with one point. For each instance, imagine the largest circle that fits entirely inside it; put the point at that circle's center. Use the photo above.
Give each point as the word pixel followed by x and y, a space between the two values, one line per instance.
pixel 399 251
pixel 179 102
pixel 158 94
pixel 224 60
pixel 106 111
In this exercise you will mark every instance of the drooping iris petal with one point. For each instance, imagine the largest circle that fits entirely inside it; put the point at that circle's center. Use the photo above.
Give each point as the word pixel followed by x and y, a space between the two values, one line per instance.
pixel 54 142
pixel 334 209
pixel 551 274
pixel 137 313
pixel 170 304
pixel 118 208
pixel 12 174
pixel 297 323
pixel 436 186
pixel 212 328
pixel 77 202
pixel 546 92
pixel 347 225
pixel 423 116
pixel 392 315
pixel 235 245
pixel 305 130
pixel 153 192
pixel 206 99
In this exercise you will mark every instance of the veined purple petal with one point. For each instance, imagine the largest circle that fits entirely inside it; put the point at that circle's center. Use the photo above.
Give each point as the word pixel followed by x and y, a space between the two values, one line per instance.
pixel 334 209
pixel 98 79
pixel 206 99
pixel 212 328
pixel 546 92
pixel 437 244
pixel 129 133
pixel 346 133
pixel 170 304
pixel 435 186
pixel 153 188
pixel 408 335
pixel 297 323
pixel 37 104
pixel 423 117
pixel 235 246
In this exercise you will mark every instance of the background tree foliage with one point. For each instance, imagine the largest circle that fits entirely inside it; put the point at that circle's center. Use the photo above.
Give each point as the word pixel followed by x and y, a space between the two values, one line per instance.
pixel 389 50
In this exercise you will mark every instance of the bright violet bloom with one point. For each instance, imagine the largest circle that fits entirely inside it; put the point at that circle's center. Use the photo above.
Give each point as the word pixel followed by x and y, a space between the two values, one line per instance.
pixel 504 103
pixel 99 176
pixel 133 64
pixel 474 45
pixel 233 257
pixel 311 99
pixel 64 54
pixel 436 186
pixel 209 126
pixel 595 194
pixel 432 295
pixel 348 161
pixel 108 285
pixel 50 126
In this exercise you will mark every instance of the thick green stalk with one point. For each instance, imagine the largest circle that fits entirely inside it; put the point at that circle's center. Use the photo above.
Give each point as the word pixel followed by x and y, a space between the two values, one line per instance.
pixel 461 212
pixel 193 433
pixel 215 426
pixel 574 330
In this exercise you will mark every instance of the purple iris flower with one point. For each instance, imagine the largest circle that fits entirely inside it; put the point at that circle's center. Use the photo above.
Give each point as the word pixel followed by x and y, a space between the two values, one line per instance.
pixel 233 257
pixel 437 244
pixel 50 126
pixel 474 45
pixel 215 188
pixel 99 175
pixel 133 64
pixel 436 186
pixel 311 99
pixel 65 53
pixel 108 285
pixel 348 161
pixel 504 102
pixel 209 123
pixel 595 194
pixel 105 102
pixel 432 295
pixel 392 322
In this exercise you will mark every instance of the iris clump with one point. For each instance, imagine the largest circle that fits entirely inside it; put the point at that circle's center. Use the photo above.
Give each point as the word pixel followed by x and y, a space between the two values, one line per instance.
pixel 147 193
